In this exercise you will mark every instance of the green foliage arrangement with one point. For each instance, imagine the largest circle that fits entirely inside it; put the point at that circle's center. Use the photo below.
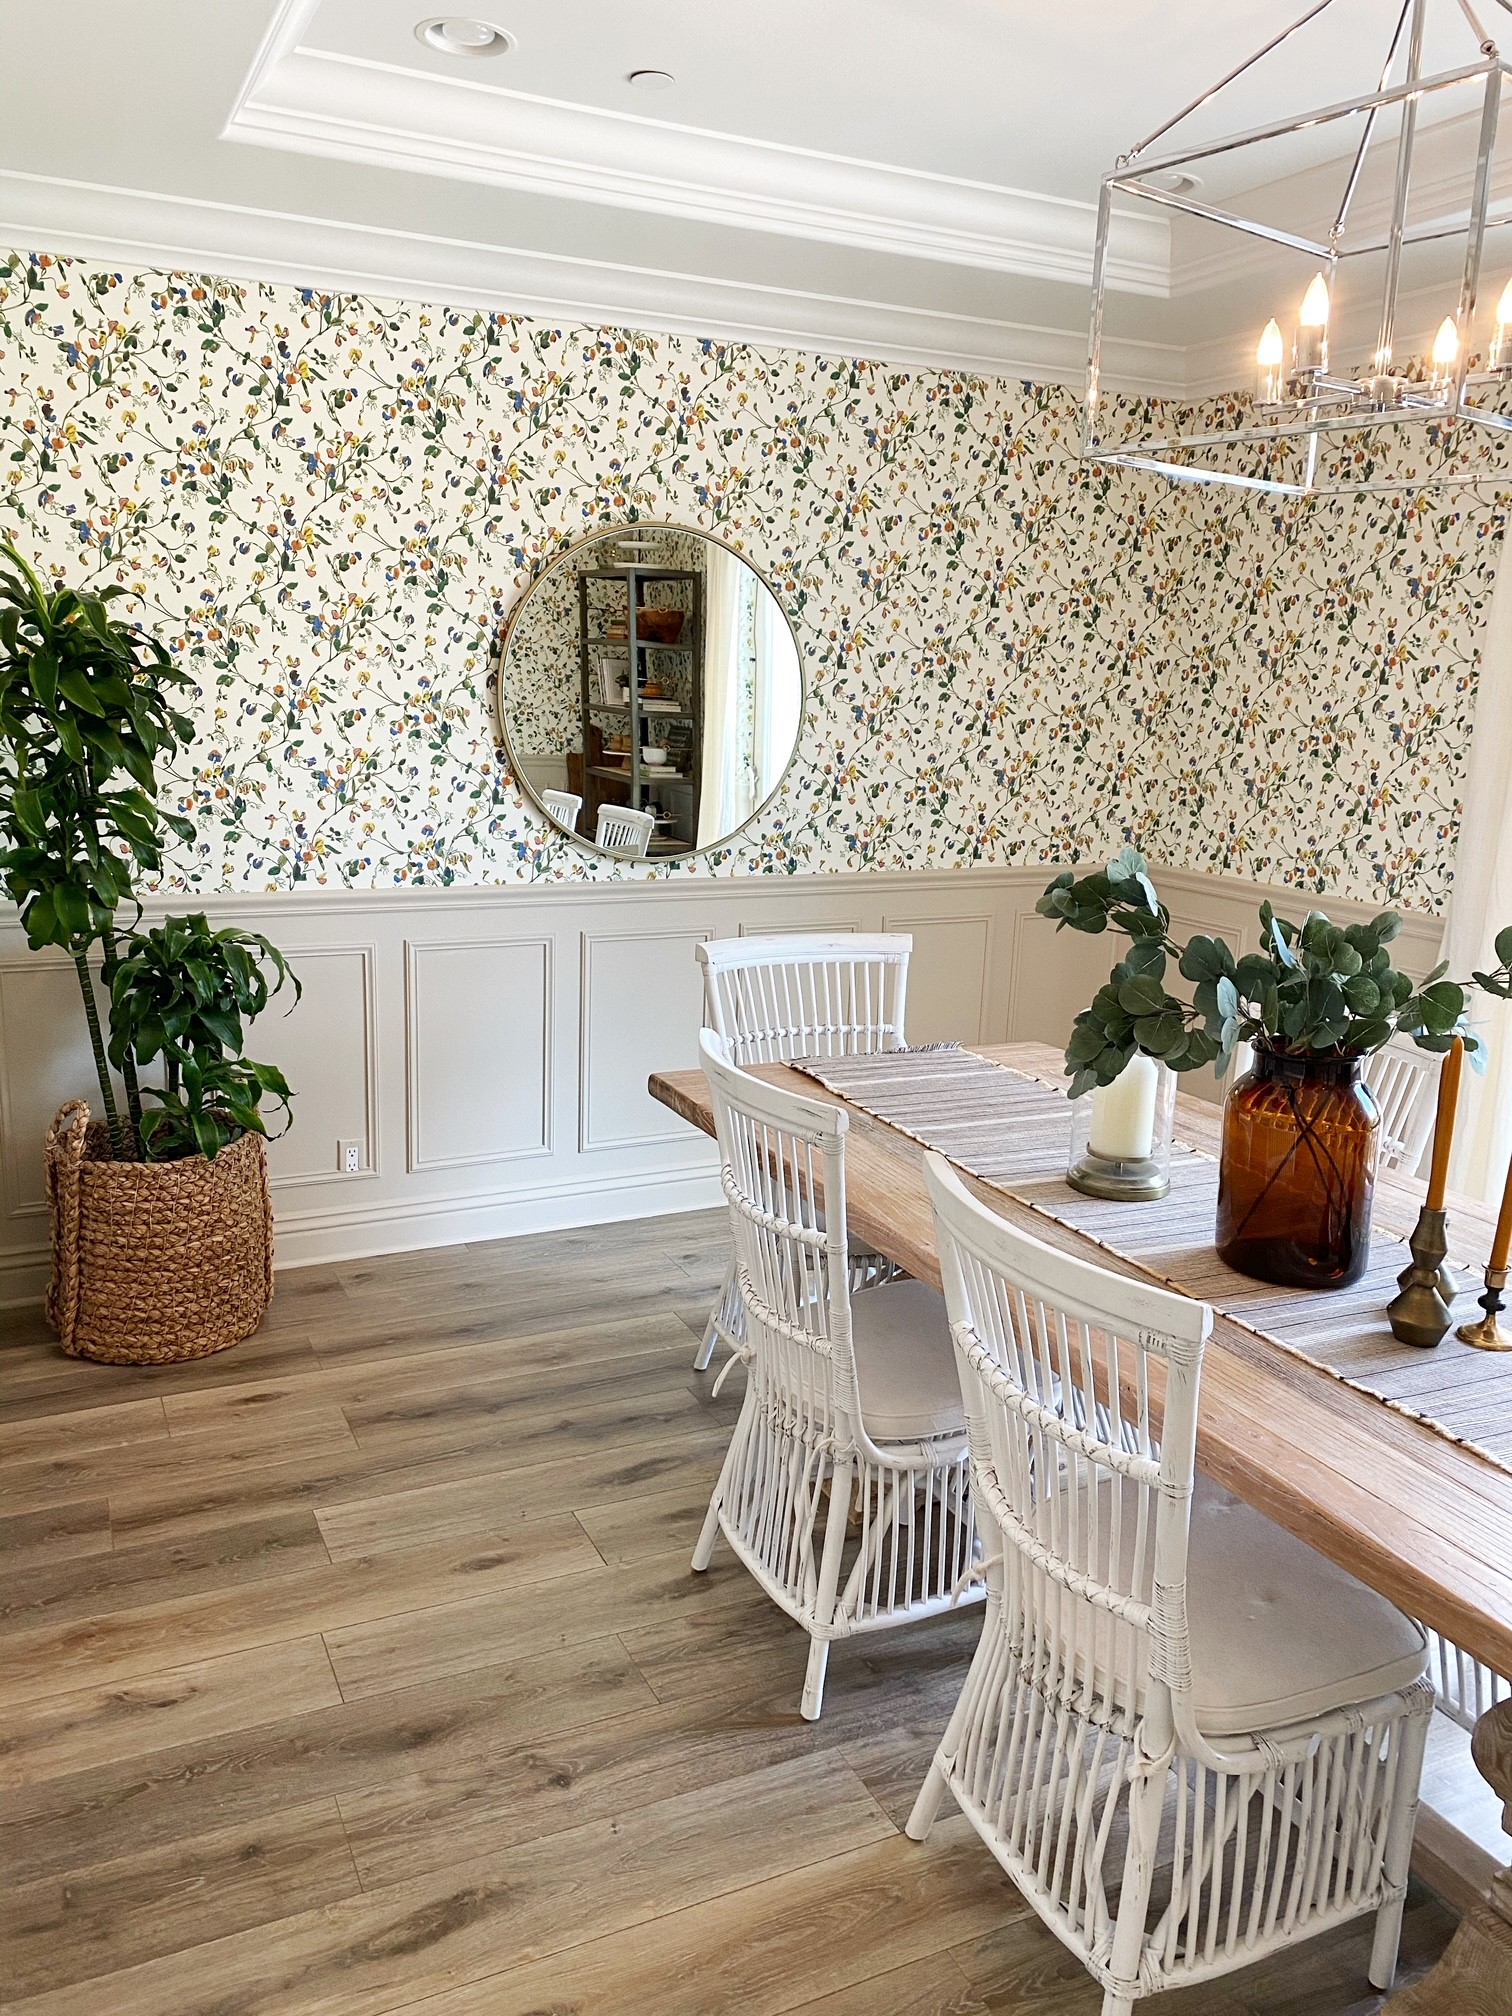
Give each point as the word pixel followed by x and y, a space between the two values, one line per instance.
pixel 181 993
pixel 1318 988
pixel 87 712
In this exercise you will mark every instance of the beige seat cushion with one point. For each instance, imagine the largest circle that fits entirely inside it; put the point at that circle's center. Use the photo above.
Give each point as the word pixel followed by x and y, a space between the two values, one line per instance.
pixel 905 1363
pixel 1279 1632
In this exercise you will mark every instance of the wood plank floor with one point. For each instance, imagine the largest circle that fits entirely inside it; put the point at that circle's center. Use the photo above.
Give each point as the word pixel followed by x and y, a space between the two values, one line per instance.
pixel 360 1669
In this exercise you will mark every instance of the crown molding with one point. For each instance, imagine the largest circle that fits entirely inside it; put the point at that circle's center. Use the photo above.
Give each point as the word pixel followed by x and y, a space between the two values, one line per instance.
pixel 141 228
pixel 323 102
pixel 1443 161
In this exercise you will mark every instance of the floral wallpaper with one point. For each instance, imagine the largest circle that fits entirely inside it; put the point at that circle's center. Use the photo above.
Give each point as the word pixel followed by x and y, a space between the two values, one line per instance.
pixel 328 502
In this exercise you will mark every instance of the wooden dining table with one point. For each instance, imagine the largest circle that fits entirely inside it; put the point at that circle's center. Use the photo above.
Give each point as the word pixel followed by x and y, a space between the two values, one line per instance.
pixel 1422 1518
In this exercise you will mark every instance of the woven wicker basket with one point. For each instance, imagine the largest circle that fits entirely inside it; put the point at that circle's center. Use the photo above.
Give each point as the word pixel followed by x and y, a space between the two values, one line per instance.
pixel 155 1261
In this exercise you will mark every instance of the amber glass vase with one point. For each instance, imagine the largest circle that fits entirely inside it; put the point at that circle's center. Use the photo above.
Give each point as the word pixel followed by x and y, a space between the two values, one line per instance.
pixel 1297 1175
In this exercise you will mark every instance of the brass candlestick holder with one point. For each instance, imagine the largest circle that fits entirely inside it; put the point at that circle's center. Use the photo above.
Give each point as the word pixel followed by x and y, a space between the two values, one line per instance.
pixel 1419 1314
pixel 1487 1334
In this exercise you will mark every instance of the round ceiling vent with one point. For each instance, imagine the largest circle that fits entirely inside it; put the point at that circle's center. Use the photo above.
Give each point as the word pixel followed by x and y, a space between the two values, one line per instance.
pixel 461 35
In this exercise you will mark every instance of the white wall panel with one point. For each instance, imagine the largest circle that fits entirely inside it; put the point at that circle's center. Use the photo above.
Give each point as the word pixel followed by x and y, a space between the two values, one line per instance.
pixel 334 1021
pixel 44 1061
pixel 501 1039
pixel 642 1011
pixel 947 976
pixel 479 1026
pixel 1055 975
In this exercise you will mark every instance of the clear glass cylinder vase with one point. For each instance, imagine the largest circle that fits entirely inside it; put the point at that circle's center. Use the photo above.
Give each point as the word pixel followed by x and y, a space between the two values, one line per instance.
pixel 1121 1134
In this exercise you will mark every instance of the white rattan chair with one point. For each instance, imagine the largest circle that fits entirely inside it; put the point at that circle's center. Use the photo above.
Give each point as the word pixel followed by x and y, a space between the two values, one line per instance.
pixel 1403 1081
pixel 810 995
pixel 564 807
pixel 844 1489
pixel 624 832
pixel 1188 1738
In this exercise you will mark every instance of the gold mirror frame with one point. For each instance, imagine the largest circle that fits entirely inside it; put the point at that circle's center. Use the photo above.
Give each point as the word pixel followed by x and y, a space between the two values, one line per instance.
pixel 564 554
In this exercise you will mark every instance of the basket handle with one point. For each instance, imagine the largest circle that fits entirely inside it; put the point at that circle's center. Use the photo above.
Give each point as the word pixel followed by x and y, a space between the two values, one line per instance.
pixel 64 1157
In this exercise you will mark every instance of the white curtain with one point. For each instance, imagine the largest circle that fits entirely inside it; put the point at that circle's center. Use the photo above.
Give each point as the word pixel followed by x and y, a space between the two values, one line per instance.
pixel 725 801
pixel 1481 903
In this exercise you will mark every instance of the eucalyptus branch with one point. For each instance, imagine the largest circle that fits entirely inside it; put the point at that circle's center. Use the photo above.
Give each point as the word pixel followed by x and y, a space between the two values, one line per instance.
pixel 1318 988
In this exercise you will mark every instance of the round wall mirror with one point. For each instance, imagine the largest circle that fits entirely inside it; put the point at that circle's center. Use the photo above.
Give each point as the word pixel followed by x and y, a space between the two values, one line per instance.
pixel 650 692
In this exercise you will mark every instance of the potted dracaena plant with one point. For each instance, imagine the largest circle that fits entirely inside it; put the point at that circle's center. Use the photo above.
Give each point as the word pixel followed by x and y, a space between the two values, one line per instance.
pixel 162 1230
pixel 1297 1168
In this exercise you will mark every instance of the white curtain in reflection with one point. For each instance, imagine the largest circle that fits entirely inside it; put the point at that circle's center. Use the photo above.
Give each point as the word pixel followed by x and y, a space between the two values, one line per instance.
pixel 1481 903
pixel 728 795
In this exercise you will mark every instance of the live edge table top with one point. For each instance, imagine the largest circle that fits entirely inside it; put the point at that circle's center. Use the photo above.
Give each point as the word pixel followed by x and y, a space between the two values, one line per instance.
pixel 1415 1515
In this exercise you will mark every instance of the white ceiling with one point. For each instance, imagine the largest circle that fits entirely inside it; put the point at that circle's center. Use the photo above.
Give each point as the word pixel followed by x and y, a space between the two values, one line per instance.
pixel 911 179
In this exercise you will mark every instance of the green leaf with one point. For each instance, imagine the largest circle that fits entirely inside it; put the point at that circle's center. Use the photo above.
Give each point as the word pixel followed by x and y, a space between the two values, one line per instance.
pixel 225 1026
pixel 1141 996
pixel 44 675
pixel 1157 1035
pixel 1362 994
pixel 1208 959
pixel 1145 957
pixel 77 689
pixel 1086 1042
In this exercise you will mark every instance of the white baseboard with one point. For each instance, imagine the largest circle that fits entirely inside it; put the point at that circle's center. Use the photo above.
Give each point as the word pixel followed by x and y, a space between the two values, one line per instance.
pixel 403 1227
pixel 313 1238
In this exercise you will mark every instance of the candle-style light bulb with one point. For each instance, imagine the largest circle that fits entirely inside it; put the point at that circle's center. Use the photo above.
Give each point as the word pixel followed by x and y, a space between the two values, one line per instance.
pixel 1312 327
pixel 1270 356
pixel 1501 341
pixel 1315 304
pixel 1444 355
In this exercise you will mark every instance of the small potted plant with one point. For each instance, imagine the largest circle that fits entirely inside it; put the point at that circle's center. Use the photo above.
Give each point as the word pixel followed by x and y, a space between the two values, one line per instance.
pixel 162 1226
pixel 1297 1168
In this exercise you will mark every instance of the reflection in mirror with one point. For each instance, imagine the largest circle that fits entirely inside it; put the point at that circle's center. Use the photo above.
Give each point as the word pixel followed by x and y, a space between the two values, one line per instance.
pixel 652 671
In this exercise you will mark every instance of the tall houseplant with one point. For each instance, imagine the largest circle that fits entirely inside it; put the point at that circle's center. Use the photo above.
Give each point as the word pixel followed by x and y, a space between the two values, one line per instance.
pixel 1299 1129
pixel 86 711
pixel 161 1220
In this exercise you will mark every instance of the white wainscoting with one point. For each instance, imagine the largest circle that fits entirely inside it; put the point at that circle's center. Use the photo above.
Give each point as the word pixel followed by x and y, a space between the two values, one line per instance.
pixel 489 1048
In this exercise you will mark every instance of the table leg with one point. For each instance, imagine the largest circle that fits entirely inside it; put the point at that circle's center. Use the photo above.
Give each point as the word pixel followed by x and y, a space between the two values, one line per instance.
pixel 1474 1977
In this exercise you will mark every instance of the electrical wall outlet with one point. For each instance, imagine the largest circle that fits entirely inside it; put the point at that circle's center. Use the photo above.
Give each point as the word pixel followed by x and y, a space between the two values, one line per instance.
pixel 349 1158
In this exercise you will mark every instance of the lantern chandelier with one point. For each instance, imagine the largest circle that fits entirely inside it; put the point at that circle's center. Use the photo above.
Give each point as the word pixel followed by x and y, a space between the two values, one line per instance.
pixel 1302 395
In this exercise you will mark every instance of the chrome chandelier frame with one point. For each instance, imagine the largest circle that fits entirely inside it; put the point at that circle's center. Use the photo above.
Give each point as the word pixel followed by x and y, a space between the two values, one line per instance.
pixel 1312 403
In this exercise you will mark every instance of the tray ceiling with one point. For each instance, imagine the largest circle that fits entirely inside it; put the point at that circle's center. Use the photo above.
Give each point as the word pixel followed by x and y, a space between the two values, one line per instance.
pixel 909 179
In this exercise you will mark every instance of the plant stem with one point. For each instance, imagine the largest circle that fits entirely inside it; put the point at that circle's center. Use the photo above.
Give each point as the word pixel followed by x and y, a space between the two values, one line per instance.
pixel 102 1067
pixel 128 1059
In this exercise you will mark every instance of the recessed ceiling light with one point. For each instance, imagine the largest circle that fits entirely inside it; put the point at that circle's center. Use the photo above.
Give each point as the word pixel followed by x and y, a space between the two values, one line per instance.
pixel 461 35
pixel 1178 181
pixel 652 80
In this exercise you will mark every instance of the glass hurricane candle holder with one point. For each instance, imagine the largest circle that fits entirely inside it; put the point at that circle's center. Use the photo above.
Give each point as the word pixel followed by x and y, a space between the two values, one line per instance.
pixel 1121 1134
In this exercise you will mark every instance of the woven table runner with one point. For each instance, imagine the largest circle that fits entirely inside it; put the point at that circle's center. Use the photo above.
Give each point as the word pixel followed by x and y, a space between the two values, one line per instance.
pixel 1013 1132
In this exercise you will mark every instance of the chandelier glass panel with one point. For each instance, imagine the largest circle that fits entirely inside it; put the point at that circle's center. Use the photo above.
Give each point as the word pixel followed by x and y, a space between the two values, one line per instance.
pixel 1360 250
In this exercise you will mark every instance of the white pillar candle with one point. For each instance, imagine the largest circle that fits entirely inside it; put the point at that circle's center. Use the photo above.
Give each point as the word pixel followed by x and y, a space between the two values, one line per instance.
pixel 1123 1113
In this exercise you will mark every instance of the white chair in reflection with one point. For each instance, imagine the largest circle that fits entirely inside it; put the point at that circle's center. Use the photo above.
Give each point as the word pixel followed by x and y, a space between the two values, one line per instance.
pixel 1404 1083
pixel 624 832
pixel 564 807
pixel 810 995
pixel 1187 1737
pixel 845 1487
